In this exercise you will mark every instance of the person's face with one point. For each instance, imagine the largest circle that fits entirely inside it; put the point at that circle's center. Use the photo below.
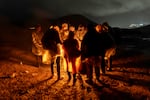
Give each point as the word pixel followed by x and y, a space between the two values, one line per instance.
pixel 71 28
pixel 65 26
pixel 56 28
pixel 39 28
pixel 98 28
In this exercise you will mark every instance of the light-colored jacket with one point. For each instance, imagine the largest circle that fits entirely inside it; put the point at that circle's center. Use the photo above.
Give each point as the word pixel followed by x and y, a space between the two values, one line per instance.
pixel 37 48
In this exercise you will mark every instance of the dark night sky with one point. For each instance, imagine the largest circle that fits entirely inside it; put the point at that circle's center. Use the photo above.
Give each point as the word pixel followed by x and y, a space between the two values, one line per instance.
pixel 117 12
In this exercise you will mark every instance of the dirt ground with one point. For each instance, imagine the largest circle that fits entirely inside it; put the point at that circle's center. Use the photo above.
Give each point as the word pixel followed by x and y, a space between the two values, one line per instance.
pixel 20 79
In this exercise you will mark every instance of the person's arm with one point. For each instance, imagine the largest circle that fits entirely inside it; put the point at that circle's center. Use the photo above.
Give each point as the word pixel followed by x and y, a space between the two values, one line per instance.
pixel 77 44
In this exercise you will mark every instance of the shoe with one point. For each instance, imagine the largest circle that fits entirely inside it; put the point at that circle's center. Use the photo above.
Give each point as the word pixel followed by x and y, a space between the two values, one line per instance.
pixel 69 77
pixel 51 76
pixel 37 65
pixel 98 79
pixel 90 82
pixel 74 81
pixel 68 80
pixel 109 69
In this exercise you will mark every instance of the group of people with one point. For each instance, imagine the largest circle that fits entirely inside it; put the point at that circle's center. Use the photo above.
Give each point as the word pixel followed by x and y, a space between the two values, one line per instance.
pixel 94 46
pixel 66 41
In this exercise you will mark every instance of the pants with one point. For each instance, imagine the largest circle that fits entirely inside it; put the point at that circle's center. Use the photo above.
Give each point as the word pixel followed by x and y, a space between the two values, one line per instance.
pixel 93 62
pixel 38 60
pixel 103 64
pixel 57 65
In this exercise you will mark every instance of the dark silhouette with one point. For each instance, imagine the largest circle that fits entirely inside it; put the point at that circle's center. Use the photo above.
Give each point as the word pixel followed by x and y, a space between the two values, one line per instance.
pixel 111 43
pixel 71 52
pixel 50 41
pixel 92 48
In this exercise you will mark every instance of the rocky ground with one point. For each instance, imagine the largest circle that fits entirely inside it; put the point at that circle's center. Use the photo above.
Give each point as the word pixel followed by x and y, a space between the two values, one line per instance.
pixel 20 79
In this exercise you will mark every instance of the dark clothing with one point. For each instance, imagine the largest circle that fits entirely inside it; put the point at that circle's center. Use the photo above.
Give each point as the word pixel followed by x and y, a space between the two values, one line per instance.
pixel 71 52
pixel 71 48
pixel 51 39
pixel 58 67
pixel 92 44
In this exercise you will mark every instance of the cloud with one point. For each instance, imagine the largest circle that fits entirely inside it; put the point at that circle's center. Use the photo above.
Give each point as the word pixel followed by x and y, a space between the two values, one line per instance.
pixel 93 8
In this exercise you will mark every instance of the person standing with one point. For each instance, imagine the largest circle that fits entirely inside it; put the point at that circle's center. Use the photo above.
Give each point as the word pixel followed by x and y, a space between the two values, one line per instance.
pixel 37 48
pixel 51 41
pixel 92 52
pixel 107 29
pixel 71 52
